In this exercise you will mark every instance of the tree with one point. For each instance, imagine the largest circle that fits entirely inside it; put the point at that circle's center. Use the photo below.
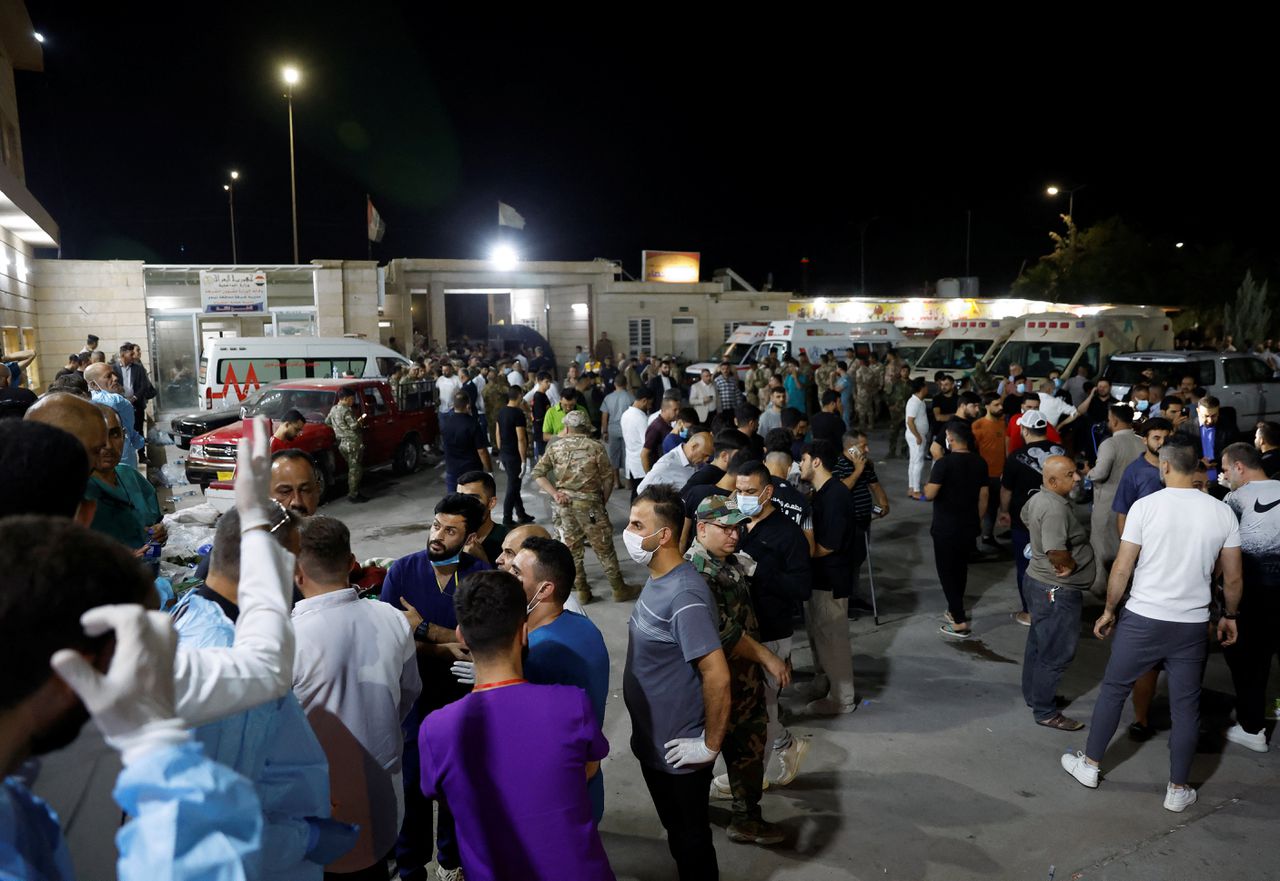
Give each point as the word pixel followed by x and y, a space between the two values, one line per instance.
pixel 1249 316
pixel 1106 263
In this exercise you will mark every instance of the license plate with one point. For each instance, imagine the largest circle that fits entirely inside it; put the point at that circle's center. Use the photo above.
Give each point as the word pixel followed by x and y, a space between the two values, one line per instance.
pixel 226 475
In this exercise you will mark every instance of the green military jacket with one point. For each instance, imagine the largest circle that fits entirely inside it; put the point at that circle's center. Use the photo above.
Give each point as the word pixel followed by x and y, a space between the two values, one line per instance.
pixel 344 424
pixel 729 582
pixel 581 465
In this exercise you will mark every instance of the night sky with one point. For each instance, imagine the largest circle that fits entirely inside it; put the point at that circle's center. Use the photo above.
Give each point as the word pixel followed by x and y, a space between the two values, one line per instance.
pixel 756 146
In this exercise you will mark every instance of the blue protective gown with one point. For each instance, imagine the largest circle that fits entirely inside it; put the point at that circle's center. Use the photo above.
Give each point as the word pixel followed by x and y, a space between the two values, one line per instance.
pixel 272 745
pixel 190 818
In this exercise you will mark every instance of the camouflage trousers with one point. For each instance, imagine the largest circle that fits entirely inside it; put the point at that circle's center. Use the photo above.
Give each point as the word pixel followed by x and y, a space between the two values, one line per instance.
pixel 897 429
pixel 586 520
pixel 746 739
pixel 864 408
pixel 354 455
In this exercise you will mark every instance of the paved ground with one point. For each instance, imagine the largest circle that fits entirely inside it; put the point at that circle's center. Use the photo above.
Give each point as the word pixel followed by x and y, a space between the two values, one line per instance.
pixel 941 773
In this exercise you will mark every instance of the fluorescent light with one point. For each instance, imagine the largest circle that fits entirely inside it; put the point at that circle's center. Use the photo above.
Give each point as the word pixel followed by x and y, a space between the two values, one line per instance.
pixel 384 324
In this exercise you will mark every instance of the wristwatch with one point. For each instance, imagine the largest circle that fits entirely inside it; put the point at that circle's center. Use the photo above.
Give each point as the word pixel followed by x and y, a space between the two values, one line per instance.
pixel 1231 616
pixel 422 632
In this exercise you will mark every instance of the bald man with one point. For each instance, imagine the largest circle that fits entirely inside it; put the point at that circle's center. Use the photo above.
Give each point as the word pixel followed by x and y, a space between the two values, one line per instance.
pixel 76 417
pixel 104 388
pixel 1060 571
pixel 511 546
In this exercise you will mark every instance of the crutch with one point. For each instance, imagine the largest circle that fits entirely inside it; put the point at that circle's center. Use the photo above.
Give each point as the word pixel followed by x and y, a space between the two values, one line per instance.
pixel 871 576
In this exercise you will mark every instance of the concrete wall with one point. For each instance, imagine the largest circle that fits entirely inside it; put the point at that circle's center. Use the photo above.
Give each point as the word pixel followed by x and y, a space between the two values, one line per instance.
pixel 17 300
pixel 79 297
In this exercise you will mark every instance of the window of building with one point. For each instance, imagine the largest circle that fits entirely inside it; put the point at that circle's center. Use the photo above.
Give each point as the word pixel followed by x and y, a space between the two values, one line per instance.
pixel 640 335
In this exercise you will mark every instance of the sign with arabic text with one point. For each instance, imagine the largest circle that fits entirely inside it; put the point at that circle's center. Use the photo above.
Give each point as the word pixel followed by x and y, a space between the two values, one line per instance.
pixel 233 291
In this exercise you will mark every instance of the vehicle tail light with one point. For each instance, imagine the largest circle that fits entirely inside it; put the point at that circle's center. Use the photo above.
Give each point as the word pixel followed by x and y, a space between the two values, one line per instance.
pixel 208 398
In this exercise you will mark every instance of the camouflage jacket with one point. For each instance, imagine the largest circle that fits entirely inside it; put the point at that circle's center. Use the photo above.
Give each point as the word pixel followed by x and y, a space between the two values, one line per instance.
pixel 729 580
pixel 581 466
pixel 897 392
pixel 867 380
pixel 343 422
pixel 495 393
pixel 824 376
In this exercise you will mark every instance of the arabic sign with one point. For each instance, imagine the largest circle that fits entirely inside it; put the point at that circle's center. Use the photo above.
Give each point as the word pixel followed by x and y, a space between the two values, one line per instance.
pixel 680 267
pixel 233 291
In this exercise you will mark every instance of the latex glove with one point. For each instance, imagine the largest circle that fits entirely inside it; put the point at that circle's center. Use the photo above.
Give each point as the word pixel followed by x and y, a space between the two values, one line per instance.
pixel 253 475
pixel 464 672
pixel 690 751
pixel 133 703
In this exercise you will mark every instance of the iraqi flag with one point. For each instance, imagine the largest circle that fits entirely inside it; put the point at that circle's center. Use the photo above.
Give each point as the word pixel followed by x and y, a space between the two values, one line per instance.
pixel 376 227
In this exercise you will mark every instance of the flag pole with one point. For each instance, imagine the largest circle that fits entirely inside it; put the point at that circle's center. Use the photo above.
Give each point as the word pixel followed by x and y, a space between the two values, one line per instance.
pixel 368 200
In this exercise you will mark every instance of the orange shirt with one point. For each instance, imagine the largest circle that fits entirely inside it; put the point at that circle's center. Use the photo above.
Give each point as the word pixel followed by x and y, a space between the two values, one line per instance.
pixel 989 434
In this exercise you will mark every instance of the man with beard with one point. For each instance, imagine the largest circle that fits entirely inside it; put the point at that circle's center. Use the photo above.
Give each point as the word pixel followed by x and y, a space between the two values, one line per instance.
pixel 423 584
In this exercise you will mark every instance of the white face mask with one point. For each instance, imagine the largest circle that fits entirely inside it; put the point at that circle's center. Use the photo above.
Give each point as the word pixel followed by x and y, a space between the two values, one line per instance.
pixel 536 600
pixel 635 546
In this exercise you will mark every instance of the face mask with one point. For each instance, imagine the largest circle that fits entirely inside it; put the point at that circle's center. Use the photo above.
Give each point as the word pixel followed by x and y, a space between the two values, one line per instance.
pixel 1057 383
pixel 1142 405
pixel 635 546
pixel 533 605
pixel 684 432
pixel 749 505
pixel 1022 388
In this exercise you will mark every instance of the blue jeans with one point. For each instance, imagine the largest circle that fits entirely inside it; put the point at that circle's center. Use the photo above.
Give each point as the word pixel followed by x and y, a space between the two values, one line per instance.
pixel 1137 645
pixel 1051 644
pixel 1021 538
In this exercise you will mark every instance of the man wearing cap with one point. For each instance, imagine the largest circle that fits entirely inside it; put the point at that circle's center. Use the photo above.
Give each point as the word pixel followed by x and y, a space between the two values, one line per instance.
pixel 584 480
pixel 1024 476
pixel 728 577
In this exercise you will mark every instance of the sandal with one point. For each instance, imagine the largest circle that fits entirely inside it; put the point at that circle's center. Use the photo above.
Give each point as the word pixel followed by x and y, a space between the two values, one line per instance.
pixel 949 629
pixel 1061 723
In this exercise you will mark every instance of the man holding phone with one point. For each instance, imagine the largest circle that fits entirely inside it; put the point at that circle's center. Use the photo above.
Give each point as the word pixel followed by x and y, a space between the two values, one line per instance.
pixel 347 428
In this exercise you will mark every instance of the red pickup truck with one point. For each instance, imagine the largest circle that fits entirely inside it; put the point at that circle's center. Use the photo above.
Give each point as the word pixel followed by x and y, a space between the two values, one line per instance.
pixel 397 427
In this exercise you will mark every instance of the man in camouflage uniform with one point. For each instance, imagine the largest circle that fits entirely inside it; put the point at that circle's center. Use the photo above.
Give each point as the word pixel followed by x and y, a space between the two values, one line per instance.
pixel 584 479
pixel 825 376
pixel 347 429
pixel 728 577
pixel 756 381
pixel 495 398
pixel 896 395
pixel 868 380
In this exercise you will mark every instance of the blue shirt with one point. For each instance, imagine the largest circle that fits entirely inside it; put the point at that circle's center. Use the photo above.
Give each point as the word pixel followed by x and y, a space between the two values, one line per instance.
pixel 1208 440
pixel 571 651
pixel 1140 479
pixel 272 744
pixel 133 440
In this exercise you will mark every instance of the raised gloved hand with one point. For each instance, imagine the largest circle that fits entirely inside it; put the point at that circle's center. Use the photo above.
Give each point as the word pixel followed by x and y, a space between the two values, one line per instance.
pixel 685 751
pixel 133 703
pixel 464 672
pixel 253 475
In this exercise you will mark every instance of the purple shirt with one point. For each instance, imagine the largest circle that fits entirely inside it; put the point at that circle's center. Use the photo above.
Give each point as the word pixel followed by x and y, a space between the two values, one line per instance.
pixel 510 764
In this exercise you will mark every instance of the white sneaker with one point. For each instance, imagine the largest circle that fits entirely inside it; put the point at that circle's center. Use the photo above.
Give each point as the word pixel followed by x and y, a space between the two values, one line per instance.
pixel 1256 742
pixel 1075 765
pixel 721 790
pixel 789 760
pixel 444 874
pixel 1178 800
pixel 829 706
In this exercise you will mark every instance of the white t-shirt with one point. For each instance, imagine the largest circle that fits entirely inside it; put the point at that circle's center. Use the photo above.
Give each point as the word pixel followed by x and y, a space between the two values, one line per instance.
pixel 634 422
pixel 918 413
pixel 1054 409
pixel 515 377
pixel 1181 532
pixel 553 394
pixel 447 386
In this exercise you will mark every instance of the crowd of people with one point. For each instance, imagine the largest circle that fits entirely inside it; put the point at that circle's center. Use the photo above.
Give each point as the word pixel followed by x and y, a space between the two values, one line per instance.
pixel 296 714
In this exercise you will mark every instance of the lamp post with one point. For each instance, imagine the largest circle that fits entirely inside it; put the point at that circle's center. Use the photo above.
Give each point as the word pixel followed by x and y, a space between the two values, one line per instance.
pixel 231 204
pixel 291 77
pixel 1071 198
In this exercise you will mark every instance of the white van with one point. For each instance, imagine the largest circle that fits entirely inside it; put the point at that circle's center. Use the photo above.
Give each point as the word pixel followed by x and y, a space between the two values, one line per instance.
pixel 960 347
pixel 875 337
pixel 232 368
pixel 734 350
pixel 785 338
pixel 1060 340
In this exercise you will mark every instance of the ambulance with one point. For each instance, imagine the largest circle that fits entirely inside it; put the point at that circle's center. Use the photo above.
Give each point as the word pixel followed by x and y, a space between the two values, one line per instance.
pixel 1060 340
pixel 875 337
pixel 232 368
pixel 789 338
pixel 735 349
pixel 962 345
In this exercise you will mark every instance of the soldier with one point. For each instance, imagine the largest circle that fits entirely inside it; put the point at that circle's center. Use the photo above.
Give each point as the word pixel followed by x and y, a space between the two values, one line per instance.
pixel 584 479
pixel 824 377
pixel 347 429
pixel 868 380
pixel 728 577
pixel 495 398
pixel 757 379
pixel 896 394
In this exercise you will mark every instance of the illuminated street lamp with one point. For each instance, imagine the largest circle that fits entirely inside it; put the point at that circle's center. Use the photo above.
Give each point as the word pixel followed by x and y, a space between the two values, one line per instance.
pixel 504 258
pixel 1071 197
pixel 231 204
pixel 291 77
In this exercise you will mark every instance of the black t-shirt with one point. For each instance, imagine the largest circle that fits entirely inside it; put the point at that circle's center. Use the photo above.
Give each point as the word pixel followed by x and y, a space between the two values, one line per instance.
pixel 863 501
pixel 790 501
pixel 946 406
pixel 783 572
pixel 955 509
pixel 707 474
pixel 1271 463
pixel 827 426
pixel 461 436
pixel 1024 475
pixel 509 419
pixel 833 529
pixel 693 496
pixel 540 405
pixel 14 402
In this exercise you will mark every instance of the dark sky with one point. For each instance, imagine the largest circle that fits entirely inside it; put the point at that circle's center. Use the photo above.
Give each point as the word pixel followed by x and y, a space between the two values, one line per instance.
pixel 756 146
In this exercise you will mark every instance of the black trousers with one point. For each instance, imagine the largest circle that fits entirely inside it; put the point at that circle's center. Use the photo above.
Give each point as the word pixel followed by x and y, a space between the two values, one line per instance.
pixel 635 487
pixel 512 500
pixel 681 800
pixel 1250 659
pixel 951 556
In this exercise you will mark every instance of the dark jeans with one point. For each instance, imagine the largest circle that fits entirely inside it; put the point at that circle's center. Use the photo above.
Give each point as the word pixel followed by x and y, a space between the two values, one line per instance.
pixel 1137 645
pixel 635 487
pixel 993 507
pixel 1250 659
pixel 681 800
pixel 512 501
pixel 951 557
pixel 413 847
pixel 1021 538
pixel 376 872
pixel 1051 644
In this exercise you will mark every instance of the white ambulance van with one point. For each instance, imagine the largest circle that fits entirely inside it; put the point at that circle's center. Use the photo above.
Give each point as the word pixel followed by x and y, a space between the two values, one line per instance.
pixel 232 368
pixel 962 345
pixel 734 350
pixel 1060 340
pixel 875 337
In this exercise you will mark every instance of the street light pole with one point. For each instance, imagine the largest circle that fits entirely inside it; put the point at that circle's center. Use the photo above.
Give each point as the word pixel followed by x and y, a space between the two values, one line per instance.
pixel 231 204
pixel 291 79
